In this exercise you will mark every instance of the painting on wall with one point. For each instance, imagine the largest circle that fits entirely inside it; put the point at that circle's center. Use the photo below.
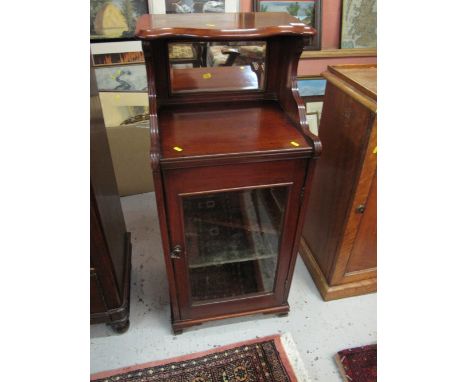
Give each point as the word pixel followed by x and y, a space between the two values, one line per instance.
pixel 313 116
pixel 118 58
pixel 314 107
pixel 115 19
pixel 359 24
pixel 124 78
pixel 313 86
pixel 125 109
pixel 313 121
pixel 201 6
pixel 117 53
pixel 307 11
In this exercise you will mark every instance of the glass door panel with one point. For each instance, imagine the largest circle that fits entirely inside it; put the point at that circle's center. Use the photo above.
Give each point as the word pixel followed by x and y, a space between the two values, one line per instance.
pixel 232 242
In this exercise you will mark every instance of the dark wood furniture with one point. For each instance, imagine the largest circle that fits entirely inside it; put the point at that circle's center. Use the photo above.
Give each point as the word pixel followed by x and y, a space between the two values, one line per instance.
pixel 232 160
pixel 110 242
pixel 339 240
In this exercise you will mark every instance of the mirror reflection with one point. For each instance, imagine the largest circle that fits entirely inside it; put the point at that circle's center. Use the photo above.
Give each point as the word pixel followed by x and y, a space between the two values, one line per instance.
pixel 217 66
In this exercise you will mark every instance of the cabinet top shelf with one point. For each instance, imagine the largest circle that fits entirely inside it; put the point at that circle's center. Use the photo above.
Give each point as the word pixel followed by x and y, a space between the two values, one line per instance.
pixel 361 76
pixel 221 25
pixel 227 130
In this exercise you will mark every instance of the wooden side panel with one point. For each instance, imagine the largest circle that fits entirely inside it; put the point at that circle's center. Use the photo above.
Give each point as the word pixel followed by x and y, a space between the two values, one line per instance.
pixel 364 253
pixel 108 210
pixel 98 304
pixel 101 260
pixel 344 131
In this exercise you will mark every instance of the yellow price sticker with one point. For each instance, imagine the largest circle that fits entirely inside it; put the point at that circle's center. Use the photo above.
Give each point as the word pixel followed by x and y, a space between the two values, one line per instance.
pixel 295 144
pixel 117 97
pixel 177 148
pixel 375 150
pixel 206 76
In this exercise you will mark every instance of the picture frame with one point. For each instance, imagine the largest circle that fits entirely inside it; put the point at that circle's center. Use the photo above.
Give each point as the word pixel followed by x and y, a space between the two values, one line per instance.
pixel 188 6
pixel 313 122
pixel 117 53
pixel 122 78
pixel 358 24
pixel 314 107
pixel 115 19
pixel 124 109
pixel 313 86
pixel 307 11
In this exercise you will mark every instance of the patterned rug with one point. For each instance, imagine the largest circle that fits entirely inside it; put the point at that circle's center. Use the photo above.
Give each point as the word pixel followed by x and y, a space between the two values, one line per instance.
pixel 358 364
pixel 261 360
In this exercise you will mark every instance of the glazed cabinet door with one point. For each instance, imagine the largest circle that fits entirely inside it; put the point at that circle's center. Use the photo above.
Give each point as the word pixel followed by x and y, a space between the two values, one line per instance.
pixel 232 229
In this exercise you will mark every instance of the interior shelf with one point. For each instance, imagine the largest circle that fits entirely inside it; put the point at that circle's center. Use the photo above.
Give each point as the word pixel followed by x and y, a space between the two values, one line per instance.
pixel 228 258
pixel 232 228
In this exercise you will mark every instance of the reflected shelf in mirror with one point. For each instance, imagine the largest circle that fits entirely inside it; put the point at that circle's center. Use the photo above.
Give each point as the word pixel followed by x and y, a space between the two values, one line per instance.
pixel 216 66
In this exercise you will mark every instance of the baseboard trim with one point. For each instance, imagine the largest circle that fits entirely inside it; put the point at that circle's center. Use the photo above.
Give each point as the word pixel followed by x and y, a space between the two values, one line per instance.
pixel 334 292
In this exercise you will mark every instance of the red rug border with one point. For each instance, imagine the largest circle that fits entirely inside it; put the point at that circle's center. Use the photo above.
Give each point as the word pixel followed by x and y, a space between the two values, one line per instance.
pixel 276 337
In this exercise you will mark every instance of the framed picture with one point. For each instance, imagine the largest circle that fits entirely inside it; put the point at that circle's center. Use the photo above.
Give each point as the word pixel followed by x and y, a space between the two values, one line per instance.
pixel 115 19
pixel 125 109
pixel 313 121
pixel 122 78
pixel 194 6
pixel 359 24
pixel 311 86
pixel 307 11
pixel 117 53
pixel 315 107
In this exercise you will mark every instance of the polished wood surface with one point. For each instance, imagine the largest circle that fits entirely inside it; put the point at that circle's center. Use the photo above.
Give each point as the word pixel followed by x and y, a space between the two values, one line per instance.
pixel 340 227
pixel 363 77
pixel 210 179
pixel 221 25
pixel 355 227
pixel 110 250
pixel 226 141
pixel 334 292
pixel 239 128
pixel 334 53
pixel 364 252
pixel 220 78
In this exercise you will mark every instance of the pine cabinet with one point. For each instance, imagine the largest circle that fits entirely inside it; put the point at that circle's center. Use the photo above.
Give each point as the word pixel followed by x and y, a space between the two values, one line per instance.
pixel 339 239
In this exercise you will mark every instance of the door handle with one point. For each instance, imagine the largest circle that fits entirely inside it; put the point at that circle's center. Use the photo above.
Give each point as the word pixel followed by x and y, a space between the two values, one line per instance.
pixel 176 252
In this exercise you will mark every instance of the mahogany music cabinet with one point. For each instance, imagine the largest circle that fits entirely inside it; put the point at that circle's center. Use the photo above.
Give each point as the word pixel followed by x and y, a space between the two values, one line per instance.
pixel 339 240
pixel 232 159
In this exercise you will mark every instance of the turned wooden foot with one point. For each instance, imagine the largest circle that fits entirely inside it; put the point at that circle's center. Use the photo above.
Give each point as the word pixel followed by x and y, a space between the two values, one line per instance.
pixel 120 327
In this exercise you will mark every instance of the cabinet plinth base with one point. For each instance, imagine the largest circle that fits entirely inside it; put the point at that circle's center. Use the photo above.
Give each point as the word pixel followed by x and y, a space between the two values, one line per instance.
pixel 118 318
pixel 334 292
pixel 120 327
pixel 178 326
